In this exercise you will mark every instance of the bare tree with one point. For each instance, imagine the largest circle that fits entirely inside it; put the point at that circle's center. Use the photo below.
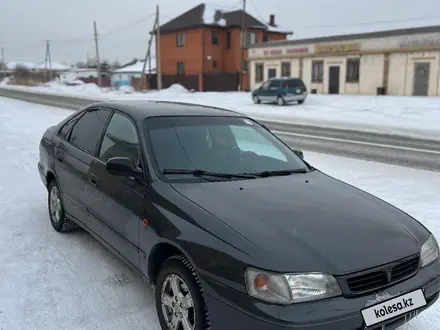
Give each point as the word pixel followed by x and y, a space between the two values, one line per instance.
pixel 22 75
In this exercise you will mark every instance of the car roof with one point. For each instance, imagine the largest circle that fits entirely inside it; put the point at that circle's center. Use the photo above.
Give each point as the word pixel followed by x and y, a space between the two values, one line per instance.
pixel 141 109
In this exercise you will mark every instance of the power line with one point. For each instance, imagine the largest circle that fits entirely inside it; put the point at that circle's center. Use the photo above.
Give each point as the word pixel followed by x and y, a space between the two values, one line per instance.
pixel 351 24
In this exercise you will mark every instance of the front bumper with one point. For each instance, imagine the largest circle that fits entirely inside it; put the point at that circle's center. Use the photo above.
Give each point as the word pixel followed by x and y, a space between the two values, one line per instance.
pixel 231 309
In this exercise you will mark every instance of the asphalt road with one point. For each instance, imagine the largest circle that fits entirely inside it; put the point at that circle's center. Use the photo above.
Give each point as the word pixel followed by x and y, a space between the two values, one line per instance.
pixel 383 148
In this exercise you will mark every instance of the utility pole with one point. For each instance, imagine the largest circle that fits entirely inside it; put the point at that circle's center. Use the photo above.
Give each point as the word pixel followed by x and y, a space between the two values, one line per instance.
pixel 243 44
pixel 3 63
pixel 49 58
pixel 158 66
pixel 98 65
pixel 147 56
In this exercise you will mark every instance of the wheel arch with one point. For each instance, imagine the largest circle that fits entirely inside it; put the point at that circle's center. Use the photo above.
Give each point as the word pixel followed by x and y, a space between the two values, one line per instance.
pixel 160 253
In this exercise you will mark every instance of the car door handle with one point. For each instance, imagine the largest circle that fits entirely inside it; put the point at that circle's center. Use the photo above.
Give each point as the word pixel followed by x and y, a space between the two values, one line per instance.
pixel 59 155
pixel 93 179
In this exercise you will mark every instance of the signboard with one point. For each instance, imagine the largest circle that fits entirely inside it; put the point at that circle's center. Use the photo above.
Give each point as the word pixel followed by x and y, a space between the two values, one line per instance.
pixel 337 48
pixel 273 52
pixel 288 51
pixel 409 42
pixel 297 50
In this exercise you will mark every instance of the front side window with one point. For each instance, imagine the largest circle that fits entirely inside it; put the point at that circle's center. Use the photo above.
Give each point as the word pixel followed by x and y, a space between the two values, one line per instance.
pixel 120 140
pixel 87 130
pixel 217 144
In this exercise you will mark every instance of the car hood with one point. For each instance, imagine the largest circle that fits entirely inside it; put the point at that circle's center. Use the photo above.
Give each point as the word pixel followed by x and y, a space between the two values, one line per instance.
pixel 310 222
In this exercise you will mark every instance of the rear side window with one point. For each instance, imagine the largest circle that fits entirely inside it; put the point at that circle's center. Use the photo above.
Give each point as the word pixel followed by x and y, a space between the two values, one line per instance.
pixel 293 83
pixel 67 126
pixel 88 129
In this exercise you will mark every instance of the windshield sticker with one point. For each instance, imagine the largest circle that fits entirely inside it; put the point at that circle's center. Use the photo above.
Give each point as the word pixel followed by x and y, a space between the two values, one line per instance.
pixel 249 122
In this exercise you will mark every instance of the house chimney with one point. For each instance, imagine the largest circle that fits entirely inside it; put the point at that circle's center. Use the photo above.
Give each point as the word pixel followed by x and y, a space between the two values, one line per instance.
pixel 272 20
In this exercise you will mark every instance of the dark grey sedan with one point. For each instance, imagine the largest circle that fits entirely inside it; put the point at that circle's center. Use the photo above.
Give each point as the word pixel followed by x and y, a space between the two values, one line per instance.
pixel 234 228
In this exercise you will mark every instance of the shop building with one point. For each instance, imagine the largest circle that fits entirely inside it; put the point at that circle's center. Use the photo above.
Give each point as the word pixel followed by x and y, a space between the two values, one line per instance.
pixel 397 62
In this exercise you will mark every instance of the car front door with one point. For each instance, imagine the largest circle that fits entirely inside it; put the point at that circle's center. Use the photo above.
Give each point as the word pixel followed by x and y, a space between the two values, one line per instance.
pixel 73 156
pixel 263 91
pixel 115 203
pixel 273 90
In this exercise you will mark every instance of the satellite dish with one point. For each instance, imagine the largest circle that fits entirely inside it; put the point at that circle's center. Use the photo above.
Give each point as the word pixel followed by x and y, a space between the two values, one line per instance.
pixel 218 16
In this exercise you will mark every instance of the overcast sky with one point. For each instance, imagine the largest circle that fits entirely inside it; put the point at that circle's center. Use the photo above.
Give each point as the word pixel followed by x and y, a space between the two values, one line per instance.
pixel 26 24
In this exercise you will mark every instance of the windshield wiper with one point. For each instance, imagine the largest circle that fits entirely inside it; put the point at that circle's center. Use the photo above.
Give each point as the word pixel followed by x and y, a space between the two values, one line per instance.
pixel 207 173
pixel 266 174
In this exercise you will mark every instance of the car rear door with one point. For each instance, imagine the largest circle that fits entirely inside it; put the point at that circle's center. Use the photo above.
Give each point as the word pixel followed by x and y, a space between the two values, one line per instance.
pixel 73 156
pixel 113 203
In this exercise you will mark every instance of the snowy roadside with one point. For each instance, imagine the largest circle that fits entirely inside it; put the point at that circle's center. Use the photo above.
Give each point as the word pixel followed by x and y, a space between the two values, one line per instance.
pixel 412 116
pixel 52 281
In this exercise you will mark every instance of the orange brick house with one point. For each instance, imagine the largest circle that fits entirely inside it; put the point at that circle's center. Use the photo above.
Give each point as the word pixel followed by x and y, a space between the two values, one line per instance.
pixel 201 48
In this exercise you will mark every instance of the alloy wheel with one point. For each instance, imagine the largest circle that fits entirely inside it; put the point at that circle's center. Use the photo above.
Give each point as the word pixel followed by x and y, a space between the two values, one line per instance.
pixel 55 205
pixel 177 304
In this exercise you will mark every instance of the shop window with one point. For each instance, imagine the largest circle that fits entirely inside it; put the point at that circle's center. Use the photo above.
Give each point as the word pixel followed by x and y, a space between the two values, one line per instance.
pixel 317 71
pixel 285 69
pixel 353 65
pixel 259 72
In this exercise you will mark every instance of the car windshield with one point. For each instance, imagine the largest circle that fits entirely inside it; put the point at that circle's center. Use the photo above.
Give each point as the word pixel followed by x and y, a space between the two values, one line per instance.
pixel 231 145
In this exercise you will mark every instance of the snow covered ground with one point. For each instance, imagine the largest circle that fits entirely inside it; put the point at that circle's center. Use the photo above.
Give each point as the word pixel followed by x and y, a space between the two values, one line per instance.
pixel 69 281
pixel 413 116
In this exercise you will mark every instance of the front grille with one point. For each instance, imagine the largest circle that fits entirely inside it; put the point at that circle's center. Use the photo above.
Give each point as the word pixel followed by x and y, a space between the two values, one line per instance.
pixel 367 282
pixel 404 269
pixel 379 277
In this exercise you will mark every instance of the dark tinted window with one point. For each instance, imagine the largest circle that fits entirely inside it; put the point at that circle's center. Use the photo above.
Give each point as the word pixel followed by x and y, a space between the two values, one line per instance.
pixel 274 84
pixel 219 144
pixel 120 140
pixel 293 83
pixel 87 131
pixel 67 126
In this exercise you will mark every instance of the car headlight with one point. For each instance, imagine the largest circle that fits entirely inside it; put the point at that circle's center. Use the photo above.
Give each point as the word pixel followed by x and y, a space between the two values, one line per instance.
pixel 290 288
pixel 429 252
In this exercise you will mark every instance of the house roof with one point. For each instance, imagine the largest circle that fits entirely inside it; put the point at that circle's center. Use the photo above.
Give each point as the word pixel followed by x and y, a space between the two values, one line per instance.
pixel 137 67
pixel 40 66
pixel 206 15
pixel 348 37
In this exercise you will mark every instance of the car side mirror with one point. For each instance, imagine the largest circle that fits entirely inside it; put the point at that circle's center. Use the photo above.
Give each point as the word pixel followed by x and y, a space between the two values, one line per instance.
pixel 122 166
pixel 299 153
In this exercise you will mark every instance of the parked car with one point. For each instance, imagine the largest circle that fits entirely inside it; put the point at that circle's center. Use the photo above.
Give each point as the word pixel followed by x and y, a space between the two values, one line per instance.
pixel 232 227
pixel 281 91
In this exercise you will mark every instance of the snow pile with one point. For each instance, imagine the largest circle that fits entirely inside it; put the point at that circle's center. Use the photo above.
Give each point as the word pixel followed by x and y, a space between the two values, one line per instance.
pixel 174 89
pixel 125 89
pixel 209 16
pixel 78 87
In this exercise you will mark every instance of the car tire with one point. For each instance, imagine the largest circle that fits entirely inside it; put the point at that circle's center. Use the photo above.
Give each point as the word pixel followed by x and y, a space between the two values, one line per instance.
pixel 177 274
pixel 301 101
pixel 256 99
pixel 57 214
pixel 280 101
